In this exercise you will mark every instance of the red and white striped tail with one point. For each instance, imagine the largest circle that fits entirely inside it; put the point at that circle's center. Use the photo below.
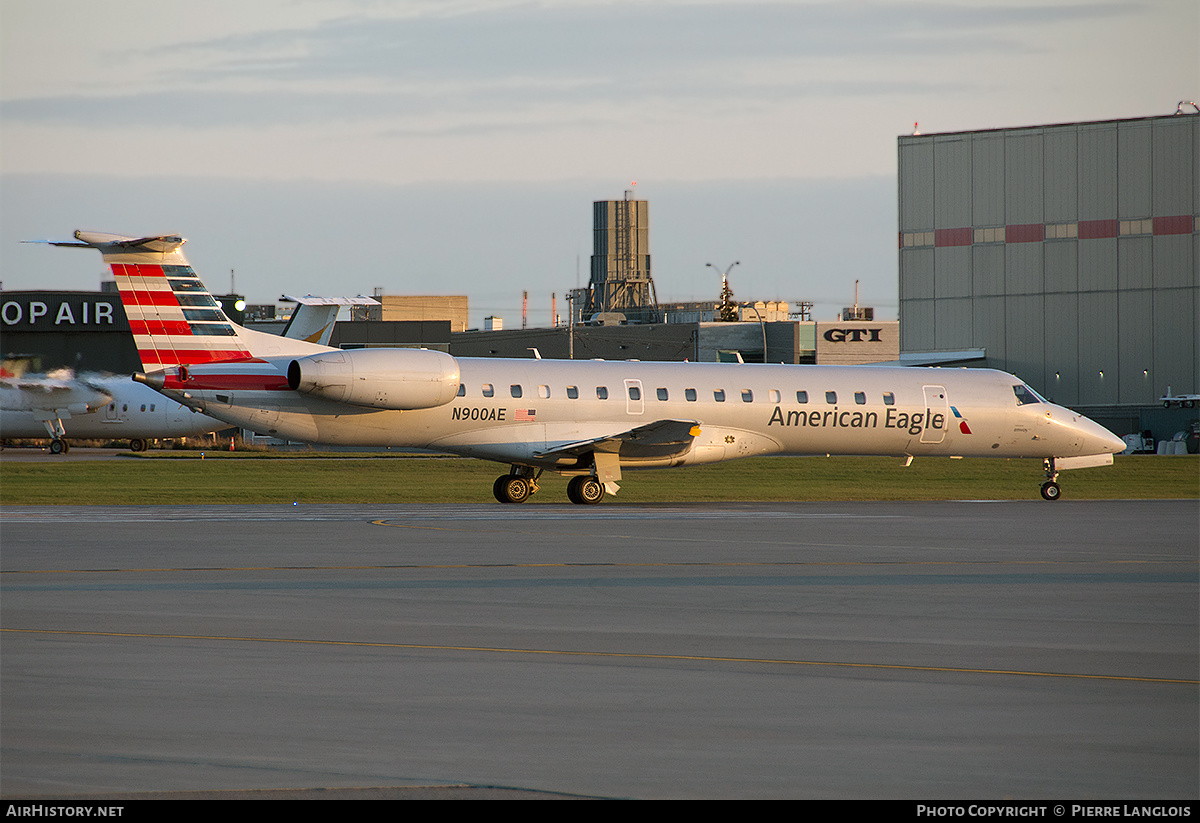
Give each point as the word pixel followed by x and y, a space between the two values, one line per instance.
pixel 174 319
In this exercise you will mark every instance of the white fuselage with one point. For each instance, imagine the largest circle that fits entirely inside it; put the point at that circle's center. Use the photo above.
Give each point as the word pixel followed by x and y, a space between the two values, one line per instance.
pixel 518 411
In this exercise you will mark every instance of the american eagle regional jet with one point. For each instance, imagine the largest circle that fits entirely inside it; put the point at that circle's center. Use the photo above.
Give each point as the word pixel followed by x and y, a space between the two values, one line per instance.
pixel 587 420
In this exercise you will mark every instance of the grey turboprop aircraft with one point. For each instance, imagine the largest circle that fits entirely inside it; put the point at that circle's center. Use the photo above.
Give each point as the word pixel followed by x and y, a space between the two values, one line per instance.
pixel 587 420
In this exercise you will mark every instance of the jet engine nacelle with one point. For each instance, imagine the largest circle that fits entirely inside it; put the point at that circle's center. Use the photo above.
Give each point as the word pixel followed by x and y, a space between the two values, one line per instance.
pixel 402 379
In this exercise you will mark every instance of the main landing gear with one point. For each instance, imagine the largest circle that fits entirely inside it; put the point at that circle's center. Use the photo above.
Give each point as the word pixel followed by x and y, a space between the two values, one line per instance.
pixel 517 486
pixel 59 446
pixel 585 490
pixel 521 484
pixel 513 488
pixel 1050 489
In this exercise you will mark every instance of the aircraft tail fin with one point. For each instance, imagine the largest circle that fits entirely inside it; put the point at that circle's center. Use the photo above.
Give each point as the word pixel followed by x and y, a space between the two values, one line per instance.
pixel 175 320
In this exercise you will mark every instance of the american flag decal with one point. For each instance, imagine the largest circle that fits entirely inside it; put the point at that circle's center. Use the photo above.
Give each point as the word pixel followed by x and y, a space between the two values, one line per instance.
pixel 525 415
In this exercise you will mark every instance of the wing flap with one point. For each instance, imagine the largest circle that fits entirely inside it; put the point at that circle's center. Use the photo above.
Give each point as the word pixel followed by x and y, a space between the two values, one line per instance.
pixel 662 438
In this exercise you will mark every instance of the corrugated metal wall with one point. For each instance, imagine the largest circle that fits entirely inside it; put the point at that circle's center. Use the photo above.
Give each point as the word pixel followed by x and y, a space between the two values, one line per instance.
pixel 1069 252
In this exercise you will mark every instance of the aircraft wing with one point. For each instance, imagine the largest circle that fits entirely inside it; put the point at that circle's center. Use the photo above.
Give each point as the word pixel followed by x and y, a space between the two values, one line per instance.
pixel 662 438
pixel 51 395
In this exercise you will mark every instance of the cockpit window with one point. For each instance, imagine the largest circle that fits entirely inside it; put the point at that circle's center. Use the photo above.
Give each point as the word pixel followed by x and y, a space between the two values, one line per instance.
pixel 1026 395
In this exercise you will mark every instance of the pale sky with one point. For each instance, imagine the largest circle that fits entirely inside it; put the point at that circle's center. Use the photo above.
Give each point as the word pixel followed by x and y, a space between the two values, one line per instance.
pixel 449 146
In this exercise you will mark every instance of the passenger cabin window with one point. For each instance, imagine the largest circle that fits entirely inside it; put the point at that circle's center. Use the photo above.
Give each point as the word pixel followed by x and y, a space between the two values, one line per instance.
pixel 1025 395
pixel 488 390
pixel 661 392
pixel 773 395
pixel 602 392
pixel 573 392
pixel 543 392
pixel 747 396
pixel 515 389
pixel 143 407
pixel 801 397
pixel 635 393
pixel 889 399
pixel 462 389
pixel 719 395
pixel 689 395
pixel 831 397
pixel 860 397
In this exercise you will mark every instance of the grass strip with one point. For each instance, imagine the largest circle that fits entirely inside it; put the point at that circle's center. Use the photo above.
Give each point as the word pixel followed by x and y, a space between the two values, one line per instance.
pixel 456 480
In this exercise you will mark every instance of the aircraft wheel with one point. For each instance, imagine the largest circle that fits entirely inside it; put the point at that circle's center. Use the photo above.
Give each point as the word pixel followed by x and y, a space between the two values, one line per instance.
pixel 573 490
pixel 585 490
pixel 1051 491
pixel 511 488
pixel 137 445
pixel 59 446
pixel 1188 404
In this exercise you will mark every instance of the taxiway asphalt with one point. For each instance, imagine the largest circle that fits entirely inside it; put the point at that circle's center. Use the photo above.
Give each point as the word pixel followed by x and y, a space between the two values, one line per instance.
pixel 898 650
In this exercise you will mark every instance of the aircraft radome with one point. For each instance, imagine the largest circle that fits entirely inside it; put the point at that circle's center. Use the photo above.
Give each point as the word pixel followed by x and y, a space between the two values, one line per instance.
pixel 588 420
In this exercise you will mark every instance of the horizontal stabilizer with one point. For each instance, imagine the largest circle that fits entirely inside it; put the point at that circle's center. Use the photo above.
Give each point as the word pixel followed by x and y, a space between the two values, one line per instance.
pixel 104 240
pixel 662 438
pixel 310 300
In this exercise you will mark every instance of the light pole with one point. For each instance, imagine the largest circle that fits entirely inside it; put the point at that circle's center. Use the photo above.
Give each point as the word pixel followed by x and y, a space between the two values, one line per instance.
pixel 764 329
pixel 570 325
pixel 725 292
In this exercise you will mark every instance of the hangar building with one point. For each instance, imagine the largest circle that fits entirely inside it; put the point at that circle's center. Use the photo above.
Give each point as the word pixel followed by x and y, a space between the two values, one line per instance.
pixel 1066 254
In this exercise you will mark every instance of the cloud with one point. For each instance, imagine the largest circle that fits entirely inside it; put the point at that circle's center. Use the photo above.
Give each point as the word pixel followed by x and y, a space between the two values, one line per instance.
pixel 426 114
pixel 624 40
pixel 522 65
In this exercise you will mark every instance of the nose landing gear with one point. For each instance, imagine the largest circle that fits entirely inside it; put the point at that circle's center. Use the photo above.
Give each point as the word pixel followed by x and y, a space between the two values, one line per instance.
pixel 1050 489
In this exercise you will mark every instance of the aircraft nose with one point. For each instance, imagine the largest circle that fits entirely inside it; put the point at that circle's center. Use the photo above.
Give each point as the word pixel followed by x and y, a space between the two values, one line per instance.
pixel 1112 443
pixel 1083 436
pixel 1099 440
